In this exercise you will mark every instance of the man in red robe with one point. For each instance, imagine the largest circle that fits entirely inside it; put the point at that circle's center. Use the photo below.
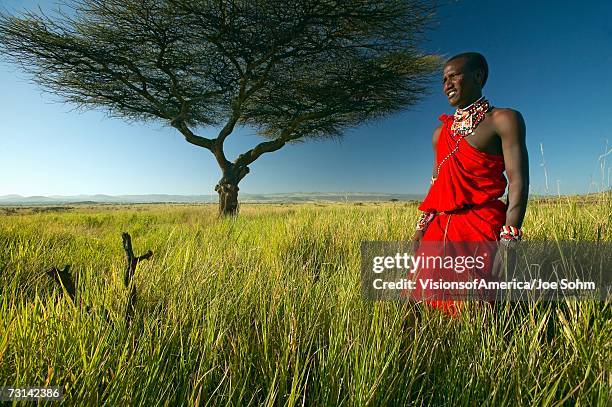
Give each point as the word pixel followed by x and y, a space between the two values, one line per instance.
pixel 472 149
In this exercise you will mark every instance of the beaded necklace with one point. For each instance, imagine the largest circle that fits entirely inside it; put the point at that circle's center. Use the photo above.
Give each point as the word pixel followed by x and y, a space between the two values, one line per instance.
pixel 465 122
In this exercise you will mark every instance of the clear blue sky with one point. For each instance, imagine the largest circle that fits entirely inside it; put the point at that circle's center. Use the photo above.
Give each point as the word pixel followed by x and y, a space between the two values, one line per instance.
pixel 549 60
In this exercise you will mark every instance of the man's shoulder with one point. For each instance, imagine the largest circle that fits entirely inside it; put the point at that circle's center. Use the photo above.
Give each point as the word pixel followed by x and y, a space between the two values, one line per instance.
pixel 508 122
pixel 505 115
pixel 436 134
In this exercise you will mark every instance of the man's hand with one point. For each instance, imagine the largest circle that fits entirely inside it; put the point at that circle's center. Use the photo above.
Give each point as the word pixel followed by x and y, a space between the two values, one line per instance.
pixel 505 260
pixel 416 240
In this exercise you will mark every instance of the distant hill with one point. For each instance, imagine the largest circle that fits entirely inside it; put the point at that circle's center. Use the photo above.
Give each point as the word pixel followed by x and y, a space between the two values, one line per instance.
pixel 162 198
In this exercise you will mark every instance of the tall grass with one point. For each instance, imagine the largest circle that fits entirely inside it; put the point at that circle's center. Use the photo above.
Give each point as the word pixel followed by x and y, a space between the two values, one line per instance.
pixel 266 309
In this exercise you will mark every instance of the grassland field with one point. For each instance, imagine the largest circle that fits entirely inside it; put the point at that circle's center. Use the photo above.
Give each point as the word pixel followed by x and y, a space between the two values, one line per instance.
pixel 265 309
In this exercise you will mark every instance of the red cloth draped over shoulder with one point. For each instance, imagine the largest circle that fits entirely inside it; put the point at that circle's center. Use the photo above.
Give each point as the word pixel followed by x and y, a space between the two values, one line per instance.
pixel 467 177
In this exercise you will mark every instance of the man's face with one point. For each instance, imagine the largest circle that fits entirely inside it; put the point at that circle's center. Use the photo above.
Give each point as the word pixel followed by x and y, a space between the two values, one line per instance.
pixel 461 85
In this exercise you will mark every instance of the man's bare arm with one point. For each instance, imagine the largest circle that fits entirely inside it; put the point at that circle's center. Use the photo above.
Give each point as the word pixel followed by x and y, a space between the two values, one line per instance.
pixel 418 234
pixel 434 141
pixel 511 129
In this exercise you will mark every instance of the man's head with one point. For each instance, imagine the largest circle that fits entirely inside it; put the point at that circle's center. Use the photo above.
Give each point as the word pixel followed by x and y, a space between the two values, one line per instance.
pixel 464 77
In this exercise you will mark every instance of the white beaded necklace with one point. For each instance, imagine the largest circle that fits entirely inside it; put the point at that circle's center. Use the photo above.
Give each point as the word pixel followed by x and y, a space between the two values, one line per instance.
pixel 465 122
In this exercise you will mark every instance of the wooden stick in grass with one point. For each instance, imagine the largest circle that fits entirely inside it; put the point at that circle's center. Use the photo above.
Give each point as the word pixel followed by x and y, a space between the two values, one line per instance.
pixel 130 268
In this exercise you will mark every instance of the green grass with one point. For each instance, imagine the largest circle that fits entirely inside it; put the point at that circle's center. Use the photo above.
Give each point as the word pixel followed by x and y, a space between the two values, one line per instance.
pixel 266 309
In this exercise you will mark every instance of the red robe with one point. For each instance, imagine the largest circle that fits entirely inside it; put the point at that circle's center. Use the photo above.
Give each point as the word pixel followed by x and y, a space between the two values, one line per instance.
pixel 465 196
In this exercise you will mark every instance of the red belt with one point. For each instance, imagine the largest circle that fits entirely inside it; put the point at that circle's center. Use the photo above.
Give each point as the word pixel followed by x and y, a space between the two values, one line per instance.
pixel 465 207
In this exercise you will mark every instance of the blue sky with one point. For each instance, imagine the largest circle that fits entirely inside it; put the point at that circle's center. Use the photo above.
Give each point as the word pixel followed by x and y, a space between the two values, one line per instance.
pixel 551 61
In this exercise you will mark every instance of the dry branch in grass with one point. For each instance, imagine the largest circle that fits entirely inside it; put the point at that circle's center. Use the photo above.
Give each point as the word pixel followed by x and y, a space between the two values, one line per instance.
pixel 65 279
pixel 130 268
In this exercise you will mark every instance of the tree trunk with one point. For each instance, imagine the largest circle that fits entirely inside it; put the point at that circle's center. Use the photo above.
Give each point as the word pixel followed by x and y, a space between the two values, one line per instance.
pixel 228 198
pixel 227 188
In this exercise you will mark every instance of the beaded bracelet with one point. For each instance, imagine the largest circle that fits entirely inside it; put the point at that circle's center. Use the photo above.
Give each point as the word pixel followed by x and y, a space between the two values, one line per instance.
pixel 510 234
pixel 425 220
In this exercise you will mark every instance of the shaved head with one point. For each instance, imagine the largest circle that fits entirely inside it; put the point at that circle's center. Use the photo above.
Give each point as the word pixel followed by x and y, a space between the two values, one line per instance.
pixel 474 61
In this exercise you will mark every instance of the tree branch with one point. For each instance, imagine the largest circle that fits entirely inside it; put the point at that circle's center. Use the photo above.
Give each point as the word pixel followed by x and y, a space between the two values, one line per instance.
pixel 192 138
pixel 286 135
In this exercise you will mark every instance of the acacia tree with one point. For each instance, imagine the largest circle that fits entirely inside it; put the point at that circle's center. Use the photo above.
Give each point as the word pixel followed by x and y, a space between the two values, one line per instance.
pixel 290 70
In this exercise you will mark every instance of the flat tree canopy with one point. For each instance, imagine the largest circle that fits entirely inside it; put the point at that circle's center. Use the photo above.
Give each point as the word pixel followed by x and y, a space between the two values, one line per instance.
pixel 290 70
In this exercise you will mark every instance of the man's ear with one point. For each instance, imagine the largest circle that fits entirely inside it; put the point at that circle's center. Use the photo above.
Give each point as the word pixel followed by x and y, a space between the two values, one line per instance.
pixel 479 75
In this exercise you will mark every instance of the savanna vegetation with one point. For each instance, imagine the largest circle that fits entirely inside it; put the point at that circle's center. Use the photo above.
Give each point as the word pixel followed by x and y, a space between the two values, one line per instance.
pixel 265 309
